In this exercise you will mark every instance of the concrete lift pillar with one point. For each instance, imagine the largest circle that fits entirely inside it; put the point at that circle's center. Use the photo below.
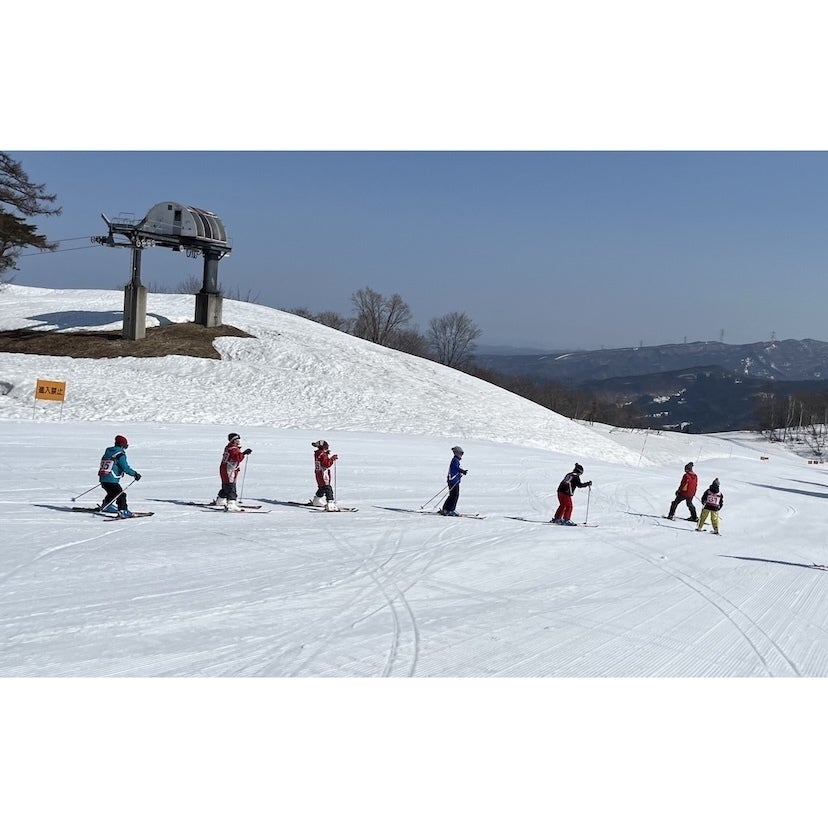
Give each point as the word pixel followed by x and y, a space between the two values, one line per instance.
pixel 135 302
pixel 208 304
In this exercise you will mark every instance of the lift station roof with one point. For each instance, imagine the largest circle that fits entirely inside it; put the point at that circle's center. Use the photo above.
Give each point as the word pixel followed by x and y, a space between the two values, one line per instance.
pixel 169 218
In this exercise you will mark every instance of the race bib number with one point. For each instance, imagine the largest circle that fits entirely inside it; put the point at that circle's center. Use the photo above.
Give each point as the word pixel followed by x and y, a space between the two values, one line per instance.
pixel 712 500
pixel 107 465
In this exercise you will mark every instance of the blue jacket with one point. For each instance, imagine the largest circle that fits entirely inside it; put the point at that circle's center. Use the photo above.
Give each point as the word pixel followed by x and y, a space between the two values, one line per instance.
pixel 114 465
pixel 454 472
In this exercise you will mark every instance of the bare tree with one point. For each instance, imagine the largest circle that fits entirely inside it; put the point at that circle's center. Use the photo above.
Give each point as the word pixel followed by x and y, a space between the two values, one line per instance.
pixel 192 284
pixel 331 319
pixel 815 437
pixel 452 339
pixel 236 294
pixel 20 199
pixel 335 320
pixel 379 317
pixel 410 341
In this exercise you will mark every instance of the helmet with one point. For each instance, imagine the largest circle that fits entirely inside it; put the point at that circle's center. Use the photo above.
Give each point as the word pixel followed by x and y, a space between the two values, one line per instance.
pixel 688 467
pixel 579 469
pixel 714 486
pixel 457 450
pixel 320 444
pixel 121 441
pixel 232 436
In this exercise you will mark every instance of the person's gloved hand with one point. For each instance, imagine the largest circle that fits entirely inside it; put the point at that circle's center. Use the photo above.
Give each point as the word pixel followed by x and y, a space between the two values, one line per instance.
pixel 137 476
pixel 247 451
pixel 464 471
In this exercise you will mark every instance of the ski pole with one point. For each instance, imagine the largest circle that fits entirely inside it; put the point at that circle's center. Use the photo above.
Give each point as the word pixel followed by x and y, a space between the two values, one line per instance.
pixel 435 496
pixel 244 473
pixel 586 519
pixel 333 469
pixel 78 497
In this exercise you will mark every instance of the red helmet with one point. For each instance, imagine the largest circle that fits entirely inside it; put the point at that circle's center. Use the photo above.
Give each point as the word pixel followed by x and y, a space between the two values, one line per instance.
pixel 121 441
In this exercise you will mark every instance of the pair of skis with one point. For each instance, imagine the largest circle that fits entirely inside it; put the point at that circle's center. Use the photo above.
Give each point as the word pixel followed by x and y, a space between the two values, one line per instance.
pixel 667 517
pixel 109 518
pixel 309 505
pixel 244 508
pixel 552 523
pixel 109 515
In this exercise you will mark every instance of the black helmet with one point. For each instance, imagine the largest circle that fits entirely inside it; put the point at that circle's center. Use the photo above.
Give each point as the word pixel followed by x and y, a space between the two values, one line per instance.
pixel 688 467
pixel 579 469
pixel 232 436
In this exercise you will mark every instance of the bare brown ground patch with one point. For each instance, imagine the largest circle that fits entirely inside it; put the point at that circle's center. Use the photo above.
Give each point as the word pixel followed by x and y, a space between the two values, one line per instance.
pixel 181 338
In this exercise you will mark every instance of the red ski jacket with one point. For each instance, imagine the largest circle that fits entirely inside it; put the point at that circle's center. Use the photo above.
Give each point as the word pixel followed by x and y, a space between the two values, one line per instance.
pixel 322 462
pixel 689 484
pixel 231 460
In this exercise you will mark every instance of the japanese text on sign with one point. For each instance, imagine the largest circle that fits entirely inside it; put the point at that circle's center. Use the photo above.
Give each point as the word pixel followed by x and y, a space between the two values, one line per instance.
pixel 50 390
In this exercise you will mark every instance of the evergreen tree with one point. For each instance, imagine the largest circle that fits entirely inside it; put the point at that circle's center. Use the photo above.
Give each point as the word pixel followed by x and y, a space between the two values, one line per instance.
pixel 20 199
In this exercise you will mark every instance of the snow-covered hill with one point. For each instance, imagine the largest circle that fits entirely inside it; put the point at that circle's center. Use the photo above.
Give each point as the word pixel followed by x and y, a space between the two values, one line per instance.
pixel 294 374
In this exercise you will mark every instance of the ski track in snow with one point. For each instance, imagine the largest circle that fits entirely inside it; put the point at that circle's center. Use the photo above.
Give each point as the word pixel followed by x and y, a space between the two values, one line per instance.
pixel 774 661
pixel 40 556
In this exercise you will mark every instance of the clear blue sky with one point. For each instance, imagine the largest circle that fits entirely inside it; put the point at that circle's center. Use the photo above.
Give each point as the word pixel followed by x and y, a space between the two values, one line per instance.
pixel 548 249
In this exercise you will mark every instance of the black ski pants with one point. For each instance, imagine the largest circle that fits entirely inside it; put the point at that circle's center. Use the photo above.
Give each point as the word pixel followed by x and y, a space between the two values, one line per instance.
pixel 115 494
pixel 327 491
pixel 690 506
pixel 453 496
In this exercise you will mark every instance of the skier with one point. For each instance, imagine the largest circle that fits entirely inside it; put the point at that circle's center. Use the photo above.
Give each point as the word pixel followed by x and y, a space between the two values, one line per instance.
pixel 686 491
pixel 712 502
pixel 566 489
pixel 113 466
pixel 455 473
pixel 323 461
pixel 229 468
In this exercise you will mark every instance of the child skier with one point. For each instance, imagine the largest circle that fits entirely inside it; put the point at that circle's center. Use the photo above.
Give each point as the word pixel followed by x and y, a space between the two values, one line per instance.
pixel 455 473
pixel 712 502
pixel 323 461
pixel 229 467
pixel 566 489
pixel 113 466
pixel 686 492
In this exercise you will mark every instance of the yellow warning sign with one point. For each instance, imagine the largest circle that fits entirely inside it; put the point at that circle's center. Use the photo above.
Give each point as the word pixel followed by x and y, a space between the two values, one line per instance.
pixel 50 390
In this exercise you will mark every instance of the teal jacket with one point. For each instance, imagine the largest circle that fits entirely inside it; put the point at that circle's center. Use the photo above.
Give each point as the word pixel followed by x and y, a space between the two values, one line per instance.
pixel 114 465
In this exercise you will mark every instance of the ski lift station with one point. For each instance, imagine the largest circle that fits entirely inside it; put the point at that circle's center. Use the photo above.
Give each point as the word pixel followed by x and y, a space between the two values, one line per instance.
pixel 177 227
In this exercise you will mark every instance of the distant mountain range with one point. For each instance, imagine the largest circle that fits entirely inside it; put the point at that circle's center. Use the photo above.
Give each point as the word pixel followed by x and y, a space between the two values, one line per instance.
pixel 697 386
